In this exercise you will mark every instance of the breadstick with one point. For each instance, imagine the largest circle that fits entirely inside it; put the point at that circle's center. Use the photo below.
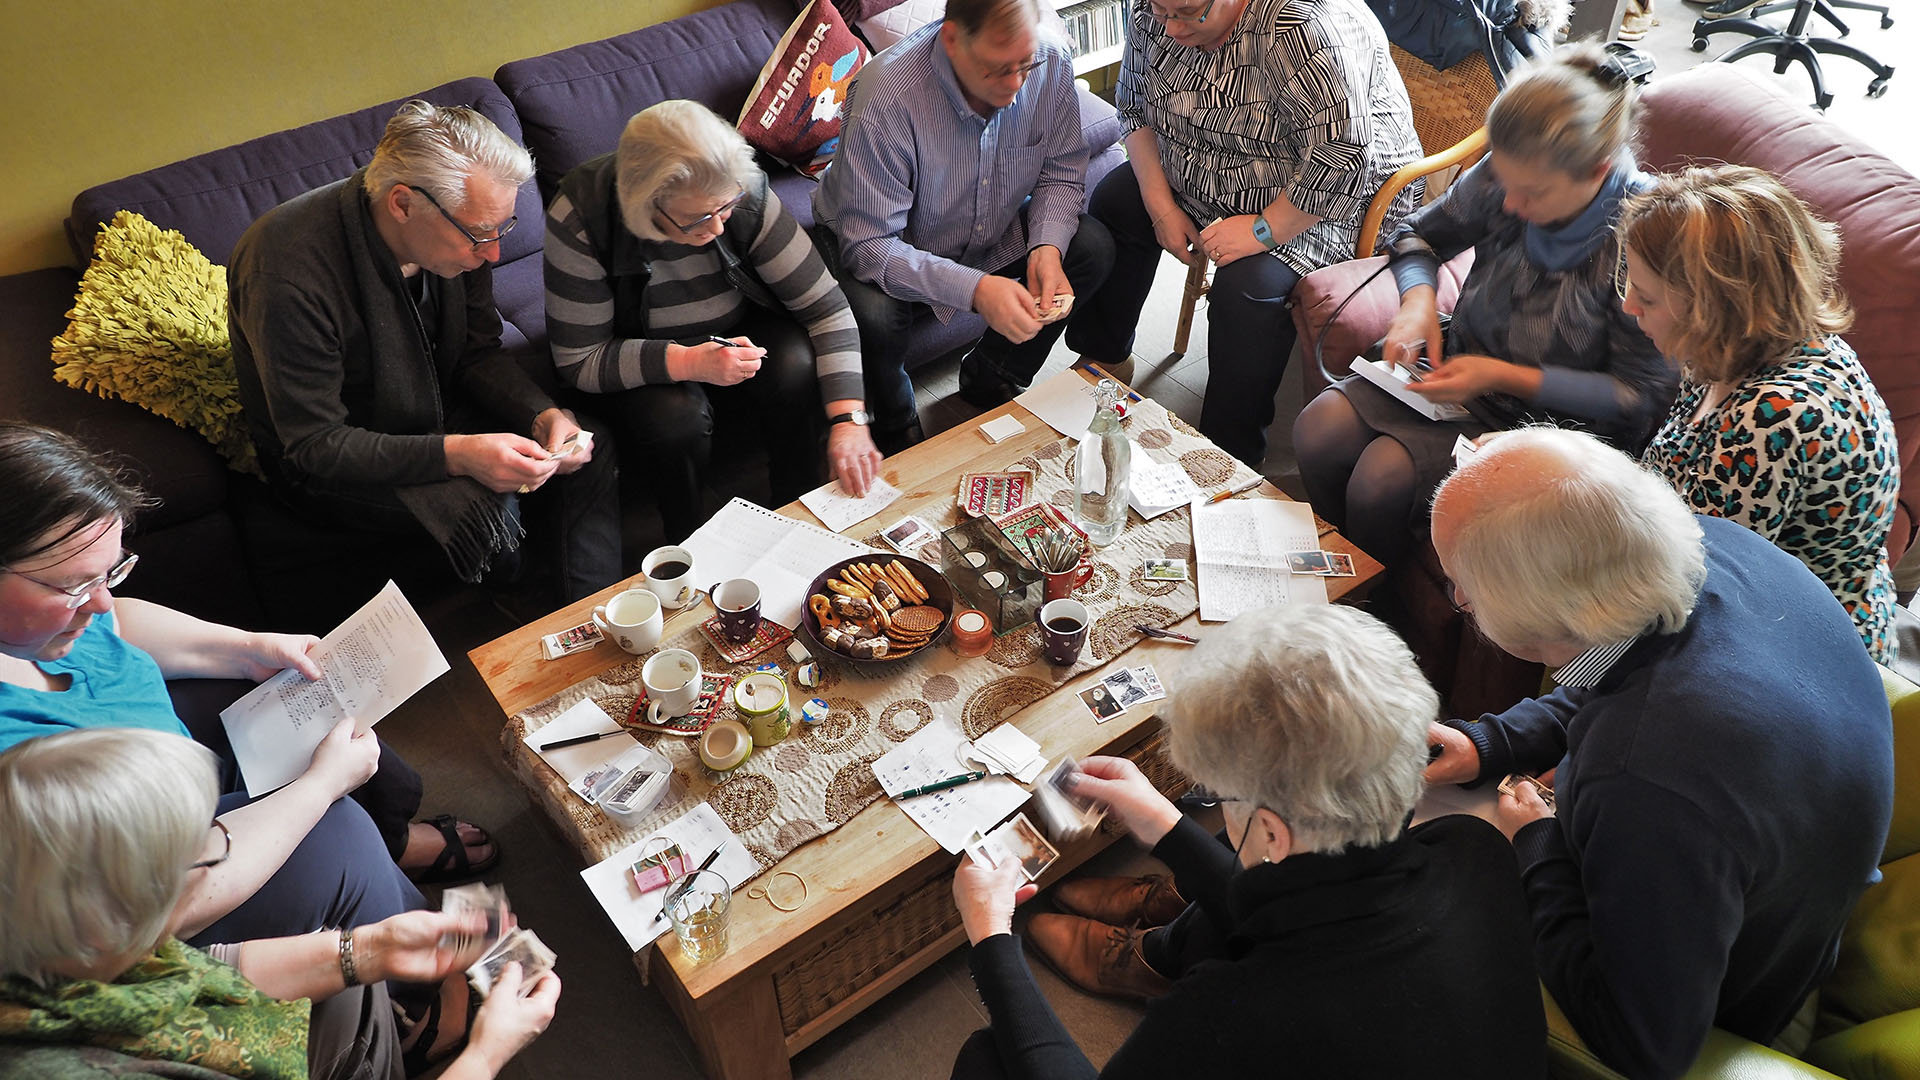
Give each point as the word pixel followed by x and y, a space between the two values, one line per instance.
pixel 904 577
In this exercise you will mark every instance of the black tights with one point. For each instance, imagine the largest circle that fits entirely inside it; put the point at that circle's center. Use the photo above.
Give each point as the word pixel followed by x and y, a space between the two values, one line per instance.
pixel 1358 479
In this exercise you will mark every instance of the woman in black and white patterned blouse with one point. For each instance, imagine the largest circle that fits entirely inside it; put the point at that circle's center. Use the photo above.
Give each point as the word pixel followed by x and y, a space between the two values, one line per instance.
pixel 1258 130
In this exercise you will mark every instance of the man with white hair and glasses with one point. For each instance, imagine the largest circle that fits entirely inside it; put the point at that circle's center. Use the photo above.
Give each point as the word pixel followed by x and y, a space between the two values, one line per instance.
pixel 1720 745
pixel 1325 938
pixel 958 185
pixel 369 357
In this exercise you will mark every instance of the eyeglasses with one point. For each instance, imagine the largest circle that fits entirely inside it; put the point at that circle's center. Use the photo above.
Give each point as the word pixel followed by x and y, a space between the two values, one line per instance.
pixel 204 864
pixel 79 594
pixel 1462 607
pixel 1194 17
pixel 1012 71
pixel 478 242
pixel 725 209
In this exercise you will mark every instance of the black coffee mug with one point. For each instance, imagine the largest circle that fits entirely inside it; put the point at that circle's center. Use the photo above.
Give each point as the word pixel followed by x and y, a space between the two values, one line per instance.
pixel 1063 630
pixel 738 602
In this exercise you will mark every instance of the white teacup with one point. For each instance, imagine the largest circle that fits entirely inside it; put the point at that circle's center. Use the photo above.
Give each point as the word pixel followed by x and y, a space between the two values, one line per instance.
pixel 674 587
pixel 672 678
pixel 632 619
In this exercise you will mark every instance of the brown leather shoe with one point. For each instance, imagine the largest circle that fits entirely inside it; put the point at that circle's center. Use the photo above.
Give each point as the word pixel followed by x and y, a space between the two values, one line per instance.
pixel 1137 901
pixel 1097 958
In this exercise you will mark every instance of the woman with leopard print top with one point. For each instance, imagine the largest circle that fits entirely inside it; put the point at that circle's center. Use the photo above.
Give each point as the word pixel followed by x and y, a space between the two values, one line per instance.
pixel 1776 425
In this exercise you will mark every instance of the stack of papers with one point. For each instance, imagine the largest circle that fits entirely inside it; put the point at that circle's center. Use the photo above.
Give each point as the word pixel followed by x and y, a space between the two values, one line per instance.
pixel 637 915
pixel 1241 546
pixel 1007 749
pixel 779 554
pixel 953 816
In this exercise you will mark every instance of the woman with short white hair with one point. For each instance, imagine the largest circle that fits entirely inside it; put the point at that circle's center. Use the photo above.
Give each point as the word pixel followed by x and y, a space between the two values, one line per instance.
pixel 104 833
pixel 1324 934
pixel 677 280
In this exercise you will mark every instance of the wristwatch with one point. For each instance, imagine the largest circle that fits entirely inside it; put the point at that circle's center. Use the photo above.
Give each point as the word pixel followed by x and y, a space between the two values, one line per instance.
pixel 1263 232
pixel 860 417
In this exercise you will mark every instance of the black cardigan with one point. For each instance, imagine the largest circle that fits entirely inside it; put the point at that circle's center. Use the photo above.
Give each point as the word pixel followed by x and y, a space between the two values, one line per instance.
pixel 1409 959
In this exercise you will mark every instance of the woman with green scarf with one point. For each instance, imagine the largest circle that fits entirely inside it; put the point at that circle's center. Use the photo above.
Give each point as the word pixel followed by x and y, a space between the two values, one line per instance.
pixel 102 832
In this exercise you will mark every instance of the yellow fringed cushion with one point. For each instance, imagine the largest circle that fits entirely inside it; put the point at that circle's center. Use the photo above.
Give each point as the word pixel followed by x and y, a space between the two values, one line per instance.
pixel 149 326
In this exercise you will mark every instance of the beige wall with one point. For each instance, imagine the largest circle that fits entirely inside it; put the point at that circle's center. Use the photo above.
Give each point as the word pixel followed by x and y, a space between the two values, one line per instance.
pixel 93 90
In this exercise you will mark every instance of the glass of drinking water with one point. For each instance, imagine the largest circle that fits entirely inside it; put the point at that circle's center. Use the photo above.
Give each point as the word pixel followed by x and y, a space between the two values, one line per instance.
pixel 697 906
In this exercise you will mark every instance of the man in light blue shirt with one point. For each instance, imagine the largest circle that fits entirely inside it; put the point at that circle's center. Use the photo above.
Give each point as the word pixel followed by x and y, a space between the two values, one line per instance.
pixel 959 185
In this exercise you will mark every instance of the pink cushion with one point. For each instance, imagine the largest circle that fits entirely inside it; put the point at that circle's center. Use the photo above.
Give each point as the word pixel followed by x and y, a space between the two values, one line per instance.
pixel 1720 112
pixel 793 112
pixel 1365 319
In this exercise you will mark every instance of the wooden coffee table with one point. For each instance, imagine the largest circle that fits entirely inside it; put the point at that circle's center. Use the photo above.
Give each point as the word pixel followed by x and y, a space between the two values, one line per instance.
pixel 878 909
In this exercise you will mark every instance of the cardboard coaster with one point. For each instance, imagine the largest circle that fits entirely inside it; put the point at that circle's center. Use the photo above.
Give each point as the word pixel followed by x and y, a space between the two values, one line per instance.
pixel 770 634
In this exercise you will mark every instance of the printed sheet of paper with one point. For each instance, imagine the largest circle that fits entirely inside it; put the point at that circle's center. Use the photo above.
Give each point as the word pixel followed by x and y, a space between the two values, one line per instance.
pixel 378 658
pixel 1240 547
pixel 636 914
pixel 1065 402
pixel 839 510
pixel 954 815
pixel 1155 487
pixel 779 554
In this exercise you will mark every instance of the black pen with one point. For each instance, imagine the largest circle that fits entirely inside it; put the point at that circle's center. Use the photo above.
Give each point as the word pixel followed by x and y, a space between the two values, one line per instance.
pixel 1154 631
pixel 942 785
pixel 561 744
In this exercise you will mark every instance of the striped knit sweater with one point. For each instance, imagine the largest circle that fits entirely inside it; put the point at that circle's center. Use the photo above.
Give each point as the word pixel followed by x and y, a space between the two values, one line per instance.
pixel 686 295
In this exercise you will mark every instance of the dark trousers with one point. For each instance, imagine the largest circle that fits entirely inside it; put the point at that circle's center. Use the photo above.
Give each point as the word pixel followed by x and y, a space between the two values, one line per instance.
pixel 339 876
pixel 1249 329
pixel 884 321
pixel 666 431
pixel 353 539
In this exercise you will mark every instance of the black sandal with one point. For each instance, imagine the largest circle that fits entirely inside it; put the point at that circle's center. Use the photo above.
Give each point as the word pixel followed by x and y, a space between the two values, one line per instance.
pixel 452 864
pixel 420 1058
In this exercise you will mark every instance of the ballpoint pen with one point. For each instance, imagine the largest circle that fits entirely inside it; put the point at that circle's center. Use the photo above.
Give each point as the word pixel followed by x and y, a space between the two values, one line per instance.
pixel 561 744
pixel 1156 632
pixel 1241 490
pixel 942 785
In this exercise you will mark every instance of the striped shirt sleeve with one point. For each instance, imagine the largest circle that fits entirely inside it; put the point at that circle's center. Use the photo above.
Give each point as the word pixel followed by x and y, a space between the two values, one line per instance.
pixel 1329 90
pixel 785 259
pixel 580 314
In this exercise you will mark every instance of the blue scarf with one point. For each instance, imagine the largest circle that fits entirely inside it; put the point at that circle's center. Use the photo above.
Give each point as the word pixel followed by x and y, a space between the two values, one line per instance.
pixel 1563 247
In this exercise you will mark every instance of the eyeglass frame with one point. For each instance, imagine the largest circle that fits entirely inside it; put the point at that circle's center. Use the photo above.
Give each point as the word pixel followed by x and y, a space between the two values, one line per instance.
pixel 79 594
pixel 1039 61
pixel 207 864
pixel 1197 19
pixel 499 233
pixel 687 230
pixel 1459 606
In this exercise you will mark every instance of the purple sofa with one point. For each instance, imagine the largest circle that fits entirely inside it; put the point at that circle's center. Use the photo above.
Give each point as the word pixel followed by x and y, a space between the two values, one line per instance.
pixel 567 106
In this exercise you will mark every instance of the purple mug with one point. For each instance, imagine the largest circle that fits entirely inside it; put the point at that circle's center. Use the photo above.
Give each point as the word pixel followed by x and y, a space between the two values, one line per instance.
pixel 1063 630
pixel 738 602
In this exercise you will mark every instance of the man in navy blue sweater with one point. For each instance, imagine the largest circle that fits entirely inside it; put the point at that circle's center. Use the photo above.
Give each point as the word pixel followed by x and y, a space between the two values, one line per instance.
pixel 1723 746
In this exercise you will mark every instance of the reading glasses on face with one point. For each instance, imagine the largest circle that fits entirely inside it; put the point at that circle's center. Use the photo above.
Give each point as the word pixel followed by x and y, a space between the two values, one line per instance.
pixel 79 594
pixel 478 242
pixel 1016 70
pixel 725 208
pixel 1195 16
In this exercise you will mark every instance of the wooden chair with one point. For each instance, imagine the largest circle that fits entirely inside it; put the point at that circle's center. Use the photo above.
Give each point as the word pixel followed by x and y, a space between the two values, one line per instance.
pixel 1449 110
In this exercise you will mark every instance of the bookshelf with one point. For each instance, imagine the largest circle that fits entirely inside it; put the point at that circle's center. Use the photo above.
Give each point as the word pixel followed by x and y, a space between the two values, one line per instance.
pixel 1095 31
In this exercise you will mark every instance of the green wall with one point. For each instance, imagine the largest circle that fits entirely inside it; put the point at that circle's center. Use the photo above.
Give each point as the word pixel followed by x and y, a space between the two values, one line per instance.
pixel 91 91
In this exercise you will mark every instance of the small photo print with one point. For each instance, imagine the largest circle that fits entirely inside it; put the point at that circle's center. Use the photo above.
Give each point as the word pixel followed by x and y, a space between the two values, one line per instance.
pixel 1126 690
pixel 1307 562
pixel 1339 564
pixel 1164 570
pixel 1019 838
pixel 908 534
pixel 1100 701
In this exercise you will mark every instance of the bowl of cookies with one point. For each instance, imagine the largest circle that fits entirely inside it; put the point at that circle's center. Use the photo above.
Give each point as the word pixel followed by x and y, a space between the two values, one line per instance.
pixel 877 608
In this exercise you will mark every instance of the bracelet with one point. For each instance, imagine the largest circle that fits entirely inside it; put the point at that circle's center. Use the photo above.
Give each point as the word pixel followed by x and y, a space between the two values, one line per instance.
pixel 347 970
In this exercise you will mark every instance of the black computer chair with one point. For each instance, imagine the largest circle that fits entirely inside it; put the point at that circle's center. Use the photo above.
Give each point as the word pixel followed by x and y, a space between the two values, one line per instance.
pixel 1794 43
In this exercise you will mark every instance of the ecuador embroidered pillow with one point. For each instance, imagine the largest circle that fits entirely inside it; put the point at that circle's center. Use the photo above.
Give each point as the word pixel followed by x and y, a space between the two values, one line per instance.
pixel 794 110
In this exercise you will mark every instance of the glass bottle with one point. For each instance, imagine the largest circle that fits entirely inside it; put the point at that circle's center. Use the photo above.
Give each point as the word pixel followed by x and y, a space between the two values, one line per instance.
pixel 1101 469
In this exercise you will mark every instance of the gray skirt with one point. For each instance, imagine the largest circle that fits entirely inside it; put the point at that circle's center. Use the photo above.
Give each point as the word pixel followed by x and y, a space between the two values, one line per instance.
pixel 1429 442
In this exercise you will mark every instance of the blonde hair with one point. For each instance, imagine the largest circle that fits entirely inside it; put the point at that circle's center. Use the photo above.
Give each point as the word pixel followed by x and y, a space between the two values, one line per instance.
pixel 97 829
pixel 1570 542
pixel 1752 272
pixel 437 147
pixel 675 148
pixel 1571 111
pixel 1316 712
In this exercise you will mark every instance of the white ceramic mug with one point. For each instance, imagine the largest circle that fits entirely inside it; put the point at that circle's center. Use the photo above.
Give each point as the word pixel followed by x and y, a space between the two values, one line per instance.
pixel 632 619
pixel 672 678
pixel 675 590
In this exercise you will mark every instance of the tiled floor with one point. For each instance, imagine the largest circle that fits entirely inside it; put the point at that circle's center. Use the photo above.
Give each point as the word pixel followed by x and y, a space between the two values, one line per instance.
pixel 608 1023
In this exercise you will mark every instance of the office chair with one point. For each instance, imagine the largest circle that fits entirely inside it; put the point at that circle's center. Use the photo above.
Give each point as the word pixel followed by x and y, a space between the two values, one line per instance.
pixel 1794 43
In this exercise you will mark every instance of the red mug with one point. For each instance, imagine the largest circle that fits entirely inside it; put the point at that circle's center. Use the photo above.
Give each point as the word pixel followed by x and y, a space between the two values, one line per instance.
pixel 1060 586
